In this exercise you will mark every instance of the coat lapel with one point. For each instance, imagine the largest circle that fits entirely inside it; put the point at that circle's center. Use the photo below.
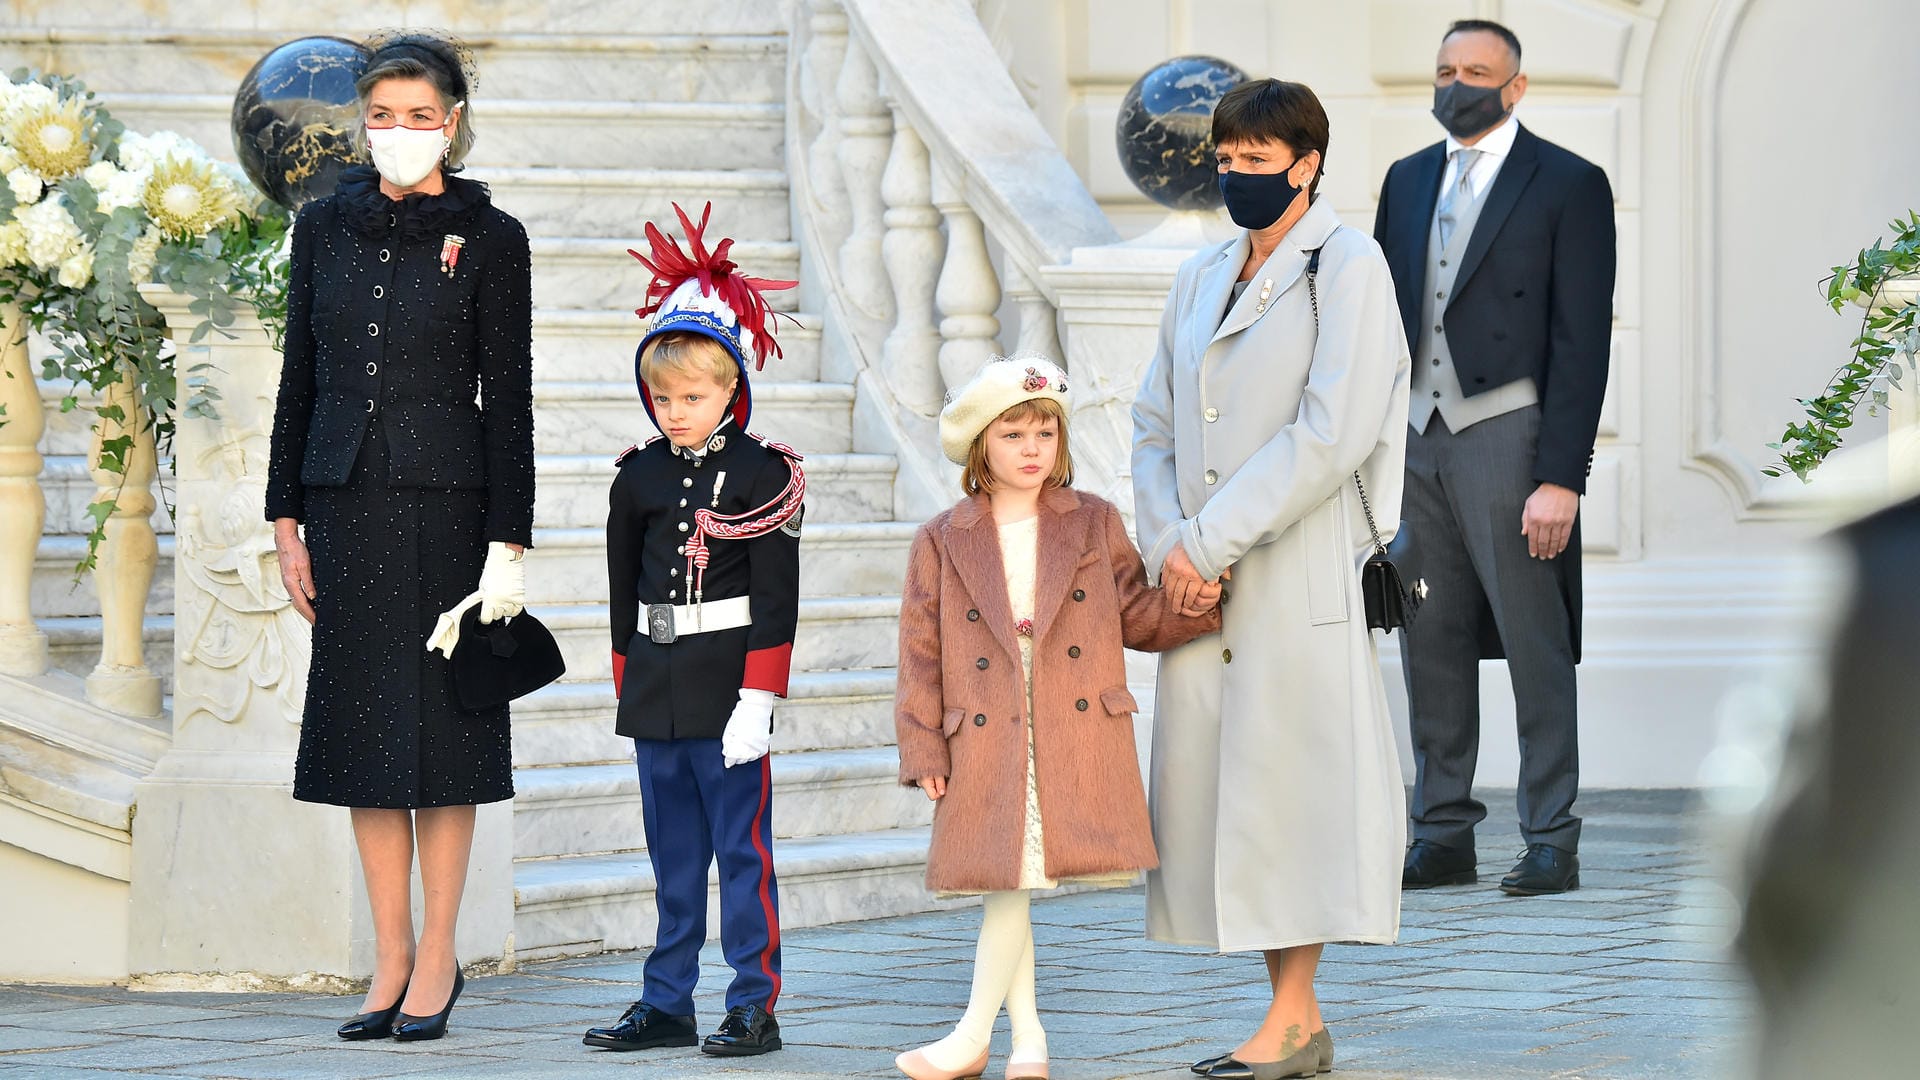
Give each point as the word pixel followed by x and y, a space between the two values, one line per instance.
pixel 1514 176
pixel 974 543
pixel 1062 541
pixel 1409 243
pixel 1283 267
pixel 1213 291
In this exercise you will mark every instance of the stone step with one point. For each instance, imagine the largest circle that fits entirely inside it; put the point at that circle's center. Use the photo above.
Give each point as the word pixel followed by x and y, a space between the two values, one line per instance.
pixel 716 67
pixel 596 810
pixel 354 18
pixel 835 633
pixel 572 723
pixel 68 489
pixel 590 904
pixel 73 644
pixel 570 345
pixel 866 558
pixel 54 593
pixel 563 133
pixel 570 490
pixel 747 203
pixel 606 417
pixel 595 272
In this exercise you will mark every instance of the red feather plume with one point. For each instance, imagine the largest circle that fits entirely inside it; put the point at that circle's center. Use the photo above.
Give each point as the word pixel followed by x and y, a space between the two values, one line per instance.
pixel 718 276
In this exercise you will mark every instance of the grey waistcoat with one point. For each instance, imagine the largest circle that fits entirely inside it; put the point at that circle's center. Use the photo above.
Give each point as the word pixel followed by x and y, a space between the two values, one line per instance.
pixel 1436 385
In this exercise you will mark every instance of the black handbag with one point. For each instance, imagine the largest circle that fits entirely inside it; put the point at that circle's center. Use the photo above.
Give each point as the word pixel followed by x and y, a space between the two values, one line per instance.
pixel 1391 603
pixel 496 663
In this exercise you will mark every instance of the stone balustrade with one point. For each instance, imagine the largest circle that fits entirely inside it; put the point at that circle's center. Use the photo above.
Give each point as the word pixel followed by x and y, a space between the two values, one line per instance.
pixel 931 200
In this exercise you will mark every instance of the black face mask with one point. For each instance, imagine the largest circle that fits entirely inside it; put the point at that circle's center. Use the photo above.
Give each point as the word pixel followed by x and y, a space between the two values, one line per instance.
pixel 1256 200
pixel 1466 111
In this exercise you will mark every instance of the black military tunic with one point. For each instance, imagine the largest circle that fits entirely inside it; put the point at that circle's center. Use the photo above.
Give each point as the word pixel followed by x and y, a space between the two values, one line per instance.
pixel 687 689
pixel 400 479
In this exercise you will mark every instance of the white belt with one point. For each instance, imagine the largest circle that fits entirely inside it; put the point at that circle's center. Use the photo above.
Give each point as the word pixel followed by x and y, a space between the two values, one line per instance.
pixel 666 622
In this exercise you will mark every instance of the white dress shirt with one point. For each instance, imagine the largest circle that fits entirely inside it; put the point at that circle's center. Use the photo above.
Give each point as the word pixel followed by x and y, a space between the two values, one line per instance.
pixel 1494 147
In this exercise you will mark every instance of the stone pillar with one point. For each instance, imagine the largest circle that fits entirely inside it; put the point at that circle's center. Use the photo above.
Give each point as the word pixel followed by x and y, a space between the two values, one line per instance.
pixel 912 250
pixel 1110 301
pixel 23 507
pixel 866 127
pixel 969 290
pixel 235 885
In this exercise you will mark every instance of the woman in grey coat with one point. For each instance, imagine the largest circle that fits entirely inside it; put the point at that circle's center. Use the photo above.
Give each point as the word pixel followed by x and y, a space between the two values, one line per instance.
pixel 1275 788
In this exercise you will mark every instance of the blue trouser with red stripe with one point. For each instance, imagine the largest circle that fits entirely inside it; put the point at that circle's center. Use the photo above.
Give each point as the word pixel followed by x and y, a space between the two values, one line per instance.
pixel 697 809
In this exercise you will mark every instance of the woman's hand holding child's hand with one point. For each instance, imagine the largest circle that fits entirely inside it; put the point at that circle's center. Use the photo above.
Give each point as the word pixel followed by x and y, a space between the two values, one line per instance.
pixel 934 786
pixel 1207 596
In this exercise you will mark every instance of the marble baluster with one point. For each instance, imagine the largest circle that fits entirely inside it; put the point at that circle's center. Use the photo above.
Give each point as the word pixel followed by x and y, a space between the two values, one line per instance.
pixel 865 128
pixel 969 291
pixel 820 67
pixel 123 575
pixel 23 507
pixel 1038 331
pixel 912 250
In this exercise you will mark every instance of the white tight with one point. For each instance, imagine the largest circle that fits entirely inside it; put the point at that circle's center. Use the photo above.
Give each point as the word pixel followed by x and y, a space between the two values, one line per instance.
pixel 1002 972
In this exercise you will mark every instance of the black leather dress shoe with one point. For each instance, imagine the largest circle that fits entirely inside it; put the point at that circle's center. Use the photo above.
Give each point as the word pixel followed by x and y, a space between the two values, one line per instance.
pixel 1430 864
pixel 1543 870
pixel 643 1027
pixel 747 1030
pixel 372 1025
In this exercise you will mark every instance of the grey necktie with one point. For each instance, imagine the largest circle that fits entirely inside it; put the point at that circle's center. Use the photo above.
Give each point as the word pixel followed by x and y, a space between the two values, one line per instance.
pixel 1459 195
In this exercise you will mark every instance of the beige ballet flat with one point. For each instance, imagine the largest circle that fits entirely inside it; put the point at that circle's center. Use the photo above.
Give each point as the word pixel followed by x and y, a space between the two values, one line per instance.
pixel 917 1067
pixel 1026 1070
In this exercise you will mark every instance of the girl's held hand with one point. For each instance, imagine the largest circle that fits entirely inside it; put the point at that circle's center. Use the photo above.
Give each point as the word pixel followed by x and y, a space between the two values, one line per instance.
pixel 934 786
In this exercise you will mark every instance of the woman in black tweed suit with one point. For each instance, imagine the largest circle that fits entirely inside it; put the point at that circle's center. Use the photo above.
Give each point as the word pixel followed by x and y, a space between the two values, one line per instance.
pixel 411 295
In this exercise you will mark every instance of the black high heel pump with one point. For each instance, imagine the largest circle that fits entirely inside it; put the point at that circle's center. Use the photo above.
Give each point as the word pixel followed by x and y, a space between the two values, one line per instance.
pixel 420 1028
pixel 372 1025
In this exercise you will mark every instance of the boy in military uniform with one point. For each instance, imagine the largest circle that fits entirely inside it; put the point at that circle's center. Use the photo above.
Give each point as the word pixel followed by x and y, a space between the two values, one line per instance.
pixel 703 568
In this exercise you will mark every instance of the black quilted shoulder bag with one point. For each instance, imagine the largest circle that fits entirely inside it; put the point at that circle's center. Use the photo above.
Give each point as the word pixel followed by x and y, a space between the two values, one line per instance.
pixel 1391 602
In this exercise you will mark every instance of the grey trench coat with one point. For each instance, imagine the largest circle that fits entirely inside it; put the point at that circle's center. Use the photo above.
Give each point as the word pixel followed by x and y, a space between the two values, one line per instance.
pixel 1275 785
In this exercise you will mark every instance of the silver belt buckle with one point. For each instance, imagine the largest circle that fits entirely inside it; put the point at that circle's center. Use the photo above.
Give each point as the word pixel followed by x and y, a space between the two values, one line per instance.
pixel 660 624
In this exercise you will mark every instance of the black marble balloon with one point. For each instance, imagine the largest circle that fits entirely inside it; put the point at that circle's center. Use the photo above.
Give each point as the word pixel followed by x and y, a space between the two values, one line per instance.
pixel 1165 130
pixel 294 116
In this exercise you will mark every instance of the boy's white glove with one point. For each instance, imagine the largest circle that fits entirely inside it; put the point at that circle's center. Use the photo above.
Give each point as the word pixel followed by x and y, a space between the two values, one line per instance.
pixel 750 729
pixel 502 595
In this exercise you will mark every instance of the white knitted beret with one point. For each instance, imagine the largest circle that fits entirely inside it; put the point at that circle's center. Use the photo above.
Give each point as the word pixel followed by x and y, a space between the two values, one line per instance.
pixel 1004 382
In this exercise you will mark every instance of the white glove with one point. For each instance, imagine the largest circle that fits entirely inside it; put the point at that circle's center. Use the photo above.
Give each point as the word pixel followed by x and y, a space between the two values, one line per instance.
pixel 503 583
pixel 502 595
pixel 446 631
pixel 749 730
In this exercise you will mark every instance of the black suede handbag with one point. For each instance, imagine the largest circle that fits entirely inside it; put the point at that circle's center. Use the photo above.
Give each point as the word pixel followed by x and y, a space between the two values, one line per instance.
pixel 507 659
pixel 1391 601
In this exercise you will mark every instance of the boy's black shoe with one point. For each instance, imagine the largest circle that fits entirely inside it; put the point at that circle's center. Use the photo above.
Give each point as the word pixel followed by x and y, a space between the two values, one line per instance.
pixel 643 1027
pixel 747 1030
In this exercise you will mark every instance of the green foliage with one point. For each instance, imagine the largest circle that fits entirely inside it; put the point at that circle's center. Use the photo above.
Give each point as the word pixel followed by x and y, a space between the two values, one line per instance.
pixel 1883 352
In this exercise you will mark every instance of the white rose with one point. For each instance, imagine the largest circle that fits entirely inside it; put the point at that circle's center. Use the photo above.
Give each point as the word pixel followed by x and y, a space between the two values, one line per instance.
pixel 133 153
pixel 25 96
pixel 76 271
pixel 9 160
pixel 26 186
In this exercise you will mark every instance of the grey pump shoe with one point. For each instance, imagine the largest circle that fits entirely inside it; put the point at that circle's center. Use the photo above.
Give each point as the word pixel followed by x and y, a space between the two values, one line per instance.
pixel 1323 1042
pixel 1310 1060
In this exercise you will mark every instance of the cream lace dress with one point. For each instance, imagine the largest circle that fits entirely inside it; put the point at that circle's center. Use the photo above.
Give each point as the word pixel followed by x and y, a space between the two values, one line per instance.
pixel 1019 554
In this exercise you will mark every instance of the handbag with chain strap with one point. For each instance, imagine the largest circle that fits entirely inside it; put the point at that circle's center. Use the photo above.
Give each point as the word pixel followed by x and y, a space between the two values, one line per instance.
pixel 1391 603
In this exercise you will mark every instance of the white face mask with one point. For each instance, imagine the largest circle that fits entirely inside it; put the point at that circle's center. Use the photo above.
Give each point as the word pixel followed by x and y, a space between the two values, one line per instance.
pixel 406 155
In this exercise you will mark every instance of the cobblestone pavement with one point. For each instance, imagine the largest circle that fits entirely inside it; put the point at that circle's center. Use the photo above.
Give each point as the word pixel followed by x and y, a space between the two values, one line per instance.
pixel 1624 978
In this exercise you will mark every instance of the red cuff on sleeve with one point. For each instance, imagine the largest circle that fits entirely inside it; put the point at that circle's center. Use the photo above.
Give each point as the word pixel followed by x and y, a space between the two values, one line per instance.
pixel 619 672
pixel 767 669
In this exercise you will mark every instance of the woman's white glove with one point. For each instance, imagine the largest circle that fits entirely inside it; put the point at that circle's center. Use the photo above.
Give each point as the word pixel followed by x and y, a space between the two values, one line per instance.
pixel 502 595
pixel 749 730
